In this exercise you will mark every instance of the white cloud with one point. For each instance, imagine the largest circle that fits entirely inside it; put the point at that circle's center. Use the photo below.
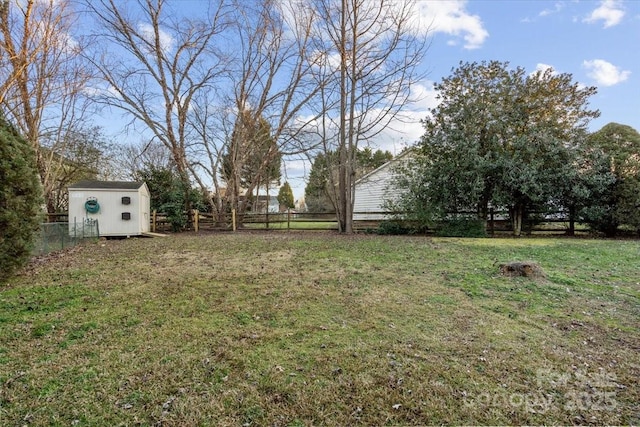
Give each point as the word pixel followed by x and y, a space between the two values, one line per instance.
pixel 544 67
pixel 609 11
pixel 93 91
pixel 541 68
pixel 605 73
pixel 556 9
pixel 425 96
pixel 451 17
pixel 167 42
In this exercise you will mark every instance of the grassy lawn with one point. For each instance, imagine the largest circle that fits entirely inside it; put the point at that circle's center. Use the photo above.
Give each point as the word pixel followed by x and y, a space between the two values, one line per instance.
pixel 296 225
pixel 296 329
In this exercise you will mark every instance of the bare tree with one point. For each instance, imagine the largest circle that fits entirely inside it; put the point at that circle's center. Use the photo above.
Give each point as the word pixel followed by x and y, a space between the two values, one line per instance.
pixel 42 83
pixel 209 136
pixel 162 64
pixel 243 164
pixel 82 154
pixel 271 80
pixel 367 55
pixel 130 158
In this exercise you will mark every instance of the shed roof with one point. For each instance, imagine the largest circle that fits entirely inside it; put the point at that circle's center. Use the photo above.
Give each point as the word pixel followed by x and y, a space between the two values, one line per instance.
pixel 107 185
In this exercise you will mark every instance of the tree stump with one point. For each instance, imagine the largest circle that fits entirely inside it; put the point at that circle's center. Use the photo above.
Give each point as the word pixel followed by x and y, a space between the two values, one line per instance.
pixel 521 269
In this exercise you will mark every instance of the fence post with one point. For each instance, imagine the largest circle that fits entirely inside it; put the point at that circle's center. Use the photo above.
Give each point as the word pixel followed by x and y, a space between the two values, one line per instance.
pixel 233 219
pixel 45 239
pixel 572 222
pixel 60 235
pixel 288 218
pixel 153 221
pixel 491 224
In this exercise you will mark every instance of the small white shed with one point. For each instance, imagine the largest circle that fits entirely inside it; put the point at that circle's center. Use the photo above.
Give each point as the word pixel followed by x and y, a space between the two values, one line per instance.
pixel 121 208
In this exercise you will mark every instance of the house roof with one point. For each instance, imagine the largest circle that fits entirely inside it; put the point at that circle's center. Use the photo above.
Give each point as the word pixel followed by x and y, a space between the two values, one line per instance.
pixel 107 185
pixel 367 176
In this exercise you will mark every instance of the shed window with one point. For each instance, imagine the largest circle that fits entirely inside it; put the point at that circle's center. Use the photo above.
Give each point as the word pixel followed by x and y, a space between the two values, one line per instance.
pixel 126 200
pixel 126 216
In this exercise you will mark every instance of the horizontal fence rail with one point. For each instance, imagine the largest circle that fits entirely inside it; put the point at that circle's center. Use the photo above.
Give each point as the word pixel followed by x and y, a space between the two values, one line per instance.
pixel 497 222
pixel 231 221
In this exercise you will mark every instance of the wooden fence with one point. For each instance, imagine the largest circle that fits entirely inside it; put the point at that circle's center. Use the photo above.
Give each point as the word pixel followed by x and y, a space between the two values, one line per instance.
pixel 230 221
pixel 497 222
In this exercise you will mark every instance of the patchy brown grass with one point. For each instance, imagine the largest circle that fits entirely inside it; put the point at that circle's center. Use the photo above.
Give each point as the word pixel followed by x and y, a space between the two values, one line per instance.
pixel 300 329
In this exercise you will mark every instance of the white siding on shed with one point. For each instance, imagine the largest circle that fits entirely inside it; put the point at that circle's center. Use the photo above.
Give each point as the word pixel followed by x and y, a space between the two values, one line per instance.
pixel 110 198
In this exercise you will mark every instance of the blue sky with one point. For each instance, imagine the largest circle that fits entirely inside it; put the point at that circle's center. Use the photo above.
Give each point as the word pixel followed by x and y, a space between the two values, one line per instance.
pixel 595 41
pixel 598 42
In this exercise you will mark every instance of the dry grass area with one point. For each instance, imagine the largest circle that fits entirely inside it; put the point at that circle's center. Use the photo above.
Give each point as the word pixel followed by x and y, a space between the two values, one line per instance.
pixel 297 329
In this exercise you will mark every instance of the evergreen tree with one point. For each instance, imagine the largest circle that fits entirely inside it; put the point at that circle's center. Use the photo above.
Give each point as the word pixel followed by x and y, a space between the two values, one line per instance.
pixel 318 194
pixel 167 194
pixel 20 199
pixel 252 160
pixel 614 179
pixel 499 137
pixel 285 196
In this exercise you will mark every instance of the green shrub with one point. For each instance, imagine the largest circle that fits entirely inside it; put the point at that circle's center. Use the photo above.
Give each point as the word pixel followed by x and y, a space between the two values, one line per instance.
pixel 394 227
pixel 461 227
pixel 20 200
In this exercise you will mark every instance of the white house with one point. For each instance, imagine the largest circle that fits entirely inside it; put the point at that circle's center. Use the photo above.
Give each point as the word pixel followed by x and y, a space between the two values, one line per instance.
pixel 271 205
pixel 373 189
pixel 121 208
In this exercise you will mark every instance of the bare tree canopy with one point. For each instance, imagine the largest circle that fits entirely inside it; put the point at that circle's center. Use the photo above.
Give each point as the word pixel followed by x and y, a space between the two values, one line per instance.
pixel 269 80
pixel 276 77
pixel 43 80
pixel 329 74
pixel 162 64
pixel 367 55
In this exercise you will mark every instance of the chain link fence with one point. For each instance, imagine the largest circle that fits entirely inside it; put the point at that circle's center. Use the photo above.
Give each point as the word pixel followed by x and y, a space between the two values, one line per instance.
pixel 55 236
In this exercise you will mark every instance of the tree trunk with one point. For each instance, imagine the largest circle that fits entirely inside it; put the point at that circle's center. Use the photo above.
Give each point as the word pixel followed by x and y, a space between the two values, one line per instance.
pixel 483 213
pixel 186 187
pixel 267 211
pixel 342 165
pixel 516 213
pixel 352 137
pixel 572 221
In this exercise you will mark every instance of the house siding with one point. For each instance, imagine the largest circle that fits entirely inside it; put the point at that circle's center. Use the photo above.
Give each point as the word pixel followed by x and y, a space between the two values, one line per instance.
pixel 373 190
pixel 370 196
